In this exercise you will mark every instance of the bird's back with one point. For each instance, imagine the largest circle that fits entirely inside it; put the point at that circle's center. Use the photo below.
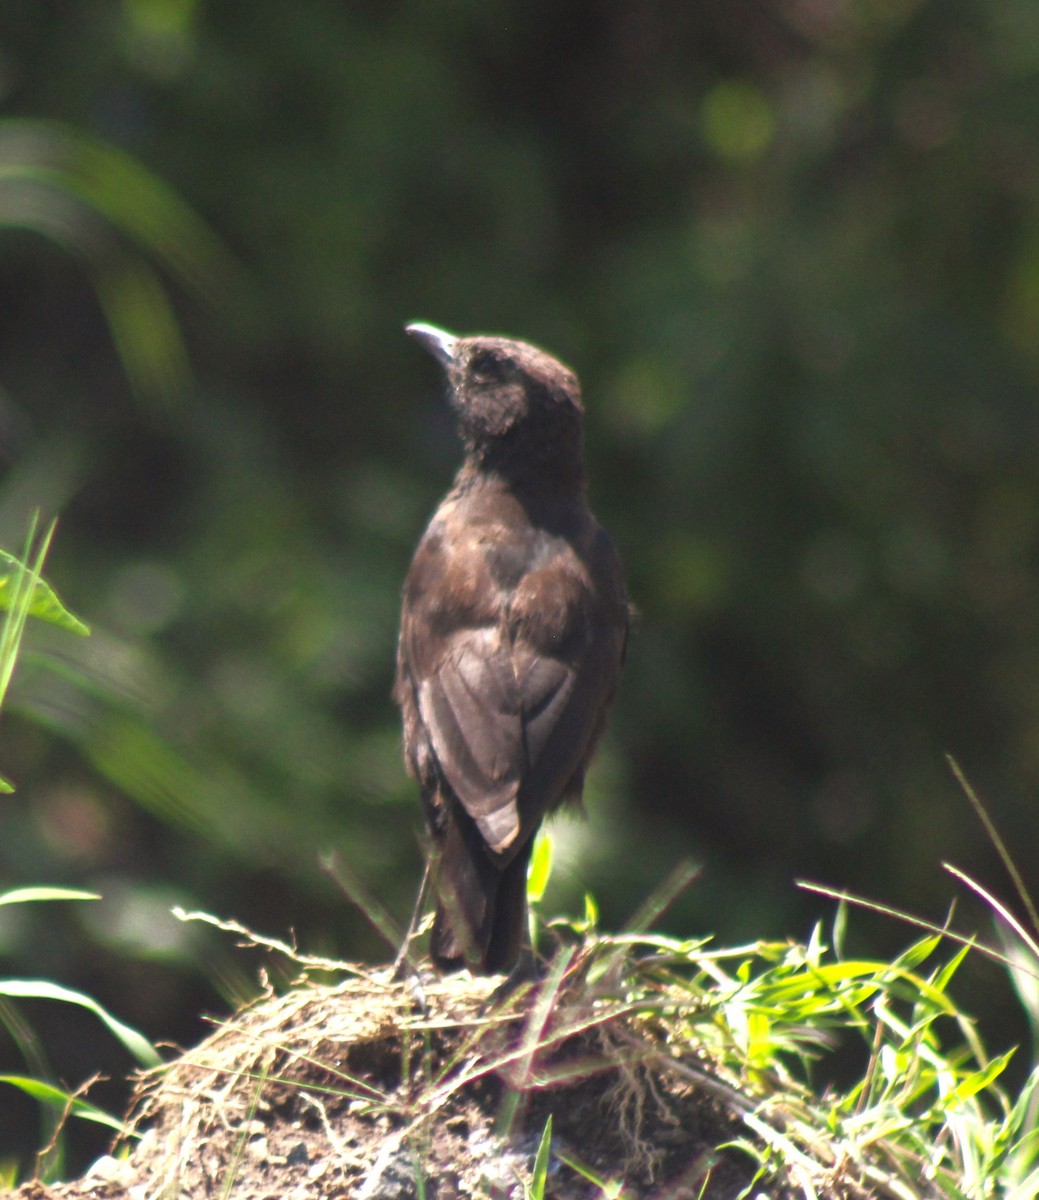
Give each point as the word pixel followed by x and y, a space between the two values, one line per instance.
pixel 512 636
pixel 511 646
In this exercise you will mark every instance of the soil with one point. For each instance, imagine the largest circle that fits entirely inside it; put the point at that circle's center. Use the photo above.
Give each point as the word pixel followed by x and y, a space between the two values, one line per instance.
pixel 374 1089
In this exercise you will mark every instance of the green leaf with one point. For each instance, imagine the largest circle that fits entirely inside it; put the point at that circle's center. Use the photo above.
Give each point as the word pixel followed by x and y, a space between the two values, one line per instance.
pixel 760 1048
pixel 944 976
pixel 41 989
pixel 30 895
pixel 540 868
pixel 918 953
pixel 43 604
pixel 62 1101
pixel 541 1161
pixel 977 1080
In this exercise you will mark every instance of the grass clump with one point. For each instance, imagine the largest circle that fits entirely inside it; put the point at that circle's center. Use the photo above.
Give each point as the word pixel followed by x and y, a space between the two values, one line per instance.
pixel 638 1065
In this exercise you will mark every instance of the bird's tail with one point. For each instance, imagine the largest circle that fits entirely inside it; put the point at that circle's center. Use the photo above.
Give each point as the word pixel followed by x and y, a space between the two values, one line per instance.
pixel 481 916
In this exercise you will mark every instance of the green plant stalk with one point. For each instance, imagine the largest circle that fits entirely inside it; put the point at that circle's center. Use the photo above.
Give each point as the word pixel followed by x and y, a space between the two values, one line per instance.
pixel 24 584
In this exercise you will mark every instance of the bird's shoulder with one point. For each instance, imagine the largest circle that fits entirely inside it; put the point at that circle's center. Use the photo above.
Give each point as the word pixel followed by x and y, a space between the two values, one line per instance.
pixel 487 558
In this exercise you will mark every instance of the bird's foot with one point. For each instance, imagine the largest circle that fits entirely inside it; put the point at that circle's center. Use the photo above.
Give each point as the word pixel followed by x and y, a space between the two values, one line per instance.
pixel 528 971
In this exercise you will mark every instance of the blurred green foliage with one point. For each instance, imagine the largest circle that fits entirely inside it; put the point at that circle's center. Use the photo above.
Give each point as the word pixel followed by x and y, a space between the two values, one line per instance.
pixel 792 250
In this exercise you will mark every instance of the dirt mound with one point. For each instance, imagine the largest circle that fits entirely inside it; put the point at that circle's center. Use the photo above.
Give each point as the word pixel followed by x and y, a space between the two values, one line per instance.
pixel 382 1090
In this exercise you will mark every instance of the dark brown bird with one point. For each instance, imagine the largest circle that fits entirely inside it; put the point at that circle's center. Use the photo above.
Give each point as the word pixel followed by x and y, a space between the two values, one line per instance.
pixel 512 636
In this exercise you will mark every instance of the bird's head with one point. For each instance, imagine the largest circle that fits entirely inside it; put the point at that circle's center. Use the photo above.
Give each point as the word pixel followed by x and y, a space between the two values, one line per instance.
pixel 519 409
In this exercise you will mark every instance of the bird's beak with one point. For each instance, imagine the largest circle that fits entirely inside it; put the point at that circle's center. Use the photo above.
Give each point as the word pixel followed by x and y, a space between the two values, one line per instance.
pixel 440 344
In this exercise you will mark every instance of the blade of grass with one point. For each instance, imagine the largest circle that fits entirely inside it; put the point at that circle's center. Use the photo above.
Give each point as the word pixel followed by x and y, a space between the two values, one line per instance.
pixel 997 842
pixel 539 1176
pixel 228 1186
pixel 540 869
pixel 22 583
pixel 62 1102
pixel 41 989
pixel 662 896
pixel 31 895
pixel 971 942
pixel 997 907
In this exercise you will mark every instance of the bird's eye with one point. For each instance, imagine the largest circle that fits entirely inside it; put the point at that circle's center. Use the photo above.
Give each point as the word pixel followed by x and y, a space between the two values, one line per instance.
pixel 486 368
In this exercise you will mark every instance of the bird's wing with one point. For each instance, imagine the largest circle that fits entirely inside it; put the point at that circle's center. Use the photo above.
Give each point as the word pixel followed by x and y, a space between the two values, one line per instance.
pixel 472 708
pixel 455 680
pixel 566 700
pixel 511 683
pixel 509 726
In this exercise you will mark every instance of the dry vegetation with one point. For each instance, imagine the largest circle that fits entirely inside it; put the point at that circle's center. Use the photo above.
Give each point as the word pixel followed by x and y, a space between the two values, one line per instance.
pixel 378 1089
pixel 636 1066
